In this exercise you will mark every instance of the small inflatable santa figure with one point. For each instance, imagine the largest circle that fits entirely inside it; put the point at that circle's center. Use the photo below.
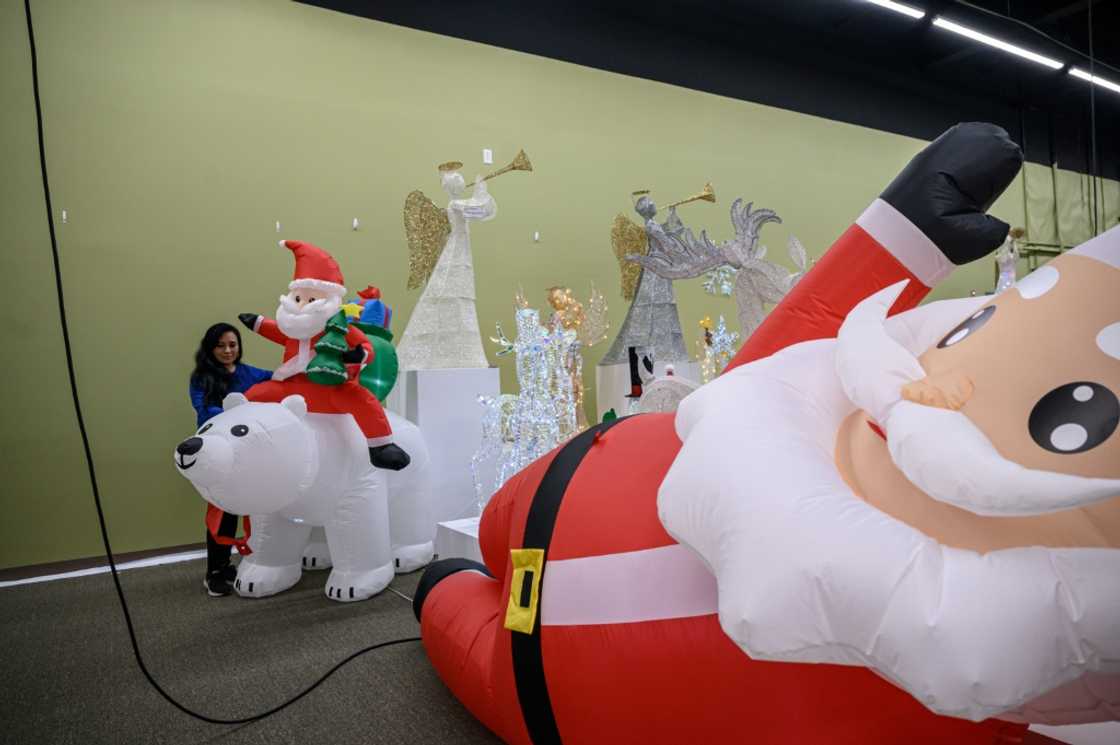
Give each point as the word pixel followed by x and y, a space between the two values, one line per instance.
pixel 314 296
pixel 870 530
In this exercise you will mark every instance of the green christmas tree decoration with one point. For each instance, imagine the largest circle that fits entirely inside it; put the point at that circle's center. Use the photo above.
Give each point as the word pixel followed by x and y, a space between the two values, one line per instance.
pixel 609 416
pixel 327 367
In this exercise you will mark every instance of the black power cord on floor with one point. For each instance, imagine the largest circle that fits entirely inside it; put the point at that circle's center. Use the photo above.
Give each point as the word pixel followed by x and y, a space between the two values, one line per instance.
pixel 89 455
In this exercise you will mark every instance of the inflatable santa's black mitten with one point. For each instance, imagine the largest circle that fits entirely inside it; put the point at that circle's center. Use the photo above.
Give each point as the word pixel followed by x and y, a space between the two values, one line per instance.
pixel 353 356
pixel 390 457
pixel 249 320
pixel 947 188
pixel 929 220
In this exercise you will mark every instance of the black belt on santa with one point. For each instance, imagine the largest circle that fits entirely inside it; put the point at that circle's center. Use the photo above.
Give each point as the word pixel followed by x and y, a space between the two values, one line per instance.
pixel 528 664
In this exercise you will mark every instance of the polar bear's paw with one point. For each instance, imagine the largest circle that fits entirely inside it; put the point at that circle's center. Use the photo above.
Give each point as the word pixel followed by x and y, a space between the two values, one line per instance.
pixel 410 558
pixel 316 556
pixel 257 581
pixel 350 586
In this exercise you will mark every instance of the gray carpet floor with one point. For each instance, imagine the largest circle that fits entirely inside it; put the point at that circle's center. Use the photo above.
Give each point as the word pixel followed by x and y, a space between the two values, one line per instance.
pixel 69 675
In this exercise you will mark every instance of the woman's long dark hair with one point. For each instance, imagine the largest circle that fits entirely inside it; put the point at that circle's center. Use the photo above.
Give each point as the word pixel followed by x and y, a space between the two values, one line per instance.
pixel 209 374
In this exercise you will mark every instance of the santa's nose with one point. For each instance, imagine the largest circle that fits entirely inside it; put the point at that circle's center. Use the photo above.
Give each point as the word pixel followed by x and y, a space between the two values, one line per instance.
pixel 189 446
pixel 946 390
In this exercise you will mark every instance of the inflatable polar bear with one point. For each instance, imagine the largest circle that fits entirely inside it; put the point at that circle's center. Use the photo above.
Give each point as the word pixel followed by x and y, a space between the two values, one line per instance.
pixel 314 500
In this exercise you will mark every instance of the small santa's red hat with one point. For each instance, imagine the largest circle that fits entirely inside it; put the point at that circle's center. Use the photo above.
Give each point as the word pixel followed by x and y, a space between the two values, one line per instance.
pixel 315 269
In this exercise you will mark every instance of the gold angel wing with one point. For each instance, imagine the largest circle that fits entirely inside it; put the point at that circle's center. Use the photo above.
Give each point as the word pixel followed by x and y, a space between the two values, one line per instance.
pixel 426 226
pixel 628 238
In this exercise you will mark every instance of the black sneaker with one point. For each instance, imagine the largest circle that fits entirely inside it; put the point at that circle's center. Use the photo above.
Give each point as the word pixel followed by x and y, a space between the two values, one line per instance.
pixel 228 573
pixel 216 585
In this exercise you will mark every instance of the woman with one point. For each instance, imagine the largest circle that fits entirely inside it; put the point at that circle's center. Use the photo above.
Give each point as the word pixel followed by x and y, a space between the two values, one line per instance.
pixel 218 371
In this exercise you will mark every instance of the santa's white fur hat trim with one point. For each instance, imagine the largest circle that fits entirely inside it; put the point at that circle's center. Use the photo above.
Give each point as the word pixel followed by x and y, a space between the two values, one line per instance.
pixel 330 288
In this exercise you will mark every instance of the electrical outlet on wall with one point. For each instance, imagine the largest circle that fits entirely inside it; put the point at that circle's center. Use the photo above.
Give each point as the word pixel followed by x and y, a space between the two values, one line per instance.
pixel 487 156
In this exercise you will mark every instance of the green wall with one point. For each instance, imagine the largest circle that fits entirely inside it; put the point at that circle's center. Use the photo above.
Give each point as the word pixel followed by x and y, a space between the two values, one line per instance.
pixel 178 133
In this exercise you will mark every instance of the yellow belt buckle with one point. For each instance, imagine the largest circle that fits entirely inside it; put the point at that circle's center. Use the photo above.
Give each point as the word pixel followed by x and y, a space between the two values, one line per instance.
pixel 524 589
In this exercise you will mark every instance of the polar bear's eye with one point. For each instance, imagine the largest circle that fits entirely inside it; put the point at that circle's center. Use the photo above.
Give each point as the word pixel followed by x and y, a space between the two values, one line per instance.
pixel 205 427
pixel 239 430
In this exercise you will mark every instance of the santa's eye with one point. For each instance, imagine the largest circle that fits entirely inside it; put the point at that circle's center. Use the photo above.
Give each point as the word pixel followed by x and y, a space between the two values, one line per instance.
pixel 1074 417
pixel 239 430
pixel 967 327
pixel 205 427
pixel 297 298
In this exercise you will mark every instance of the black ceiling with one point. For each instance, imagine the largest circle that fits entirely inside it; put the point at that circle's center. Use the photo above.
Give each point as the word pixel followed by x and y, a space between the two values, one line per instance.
pixel 847 60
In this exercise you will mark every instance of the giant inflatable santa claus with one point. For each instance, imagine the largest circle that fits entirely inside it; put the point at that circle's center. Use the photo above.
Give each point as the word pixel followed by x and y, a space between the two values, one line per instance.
pixel 315 295
pixel 868 530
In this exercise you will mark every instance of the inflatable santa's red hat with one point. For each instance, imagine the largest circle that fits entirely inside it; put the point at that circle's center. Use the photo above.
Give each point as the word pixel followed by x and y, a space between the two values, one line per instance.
pixel 315 269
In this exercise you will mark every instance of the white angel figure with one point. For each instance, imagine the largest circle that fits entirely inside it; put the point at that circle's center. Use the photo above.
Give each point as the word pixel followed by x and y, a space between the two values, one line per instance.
pixel 443 329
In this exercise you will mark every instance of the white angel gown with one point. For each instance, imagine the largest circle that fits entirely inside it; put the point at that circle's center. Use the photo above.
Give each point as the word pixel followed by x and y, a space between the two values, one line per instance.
pixel 443 329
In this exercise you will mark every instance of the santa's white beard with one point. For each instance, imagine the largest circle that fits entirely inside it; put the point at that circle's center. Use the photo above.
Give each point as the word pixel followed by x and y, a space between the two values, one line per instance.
pixel 941 451
pixel 305 322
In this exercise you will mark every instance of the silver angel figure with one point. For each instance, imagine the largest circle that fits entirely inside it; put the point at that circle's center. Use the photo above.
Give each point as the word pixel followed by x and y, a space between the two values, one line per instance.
pixel 652 319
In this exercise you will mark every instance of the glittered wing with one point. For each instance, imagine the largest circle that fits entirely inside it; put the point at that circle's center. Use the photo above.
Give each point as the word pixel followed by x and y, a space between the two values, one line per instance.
pixel 628 239
pixel 679 254
pixel 426 227
pixel 799 257
pixel 748 222
pixel 757 284
pixel 749 298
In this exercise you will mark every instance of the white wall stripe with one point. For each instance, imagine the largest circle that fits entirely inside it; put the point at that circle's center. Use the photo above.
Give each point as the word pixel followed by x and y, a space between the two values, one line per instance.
pixel 139 563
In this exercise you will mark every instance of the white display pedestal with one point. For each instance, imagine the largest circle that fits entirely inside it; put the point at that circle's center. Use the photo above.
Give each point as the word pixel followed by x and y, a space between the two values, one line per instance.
pixel 458 539
pixel 612 383
pixel 444 405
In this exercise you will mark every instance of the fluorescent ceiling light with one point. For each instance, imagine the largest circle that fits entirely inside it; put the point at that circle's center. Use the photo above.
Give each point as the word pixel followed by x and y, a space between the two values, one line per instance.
pixel 991 41
pixel 1079 73
pixel 905 10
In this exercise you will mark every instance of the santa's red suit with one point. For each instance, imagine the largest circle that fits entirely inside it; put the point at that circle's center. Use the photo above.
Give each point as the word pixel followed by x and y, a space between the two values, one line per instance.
pixel 590 624
pixel 316 269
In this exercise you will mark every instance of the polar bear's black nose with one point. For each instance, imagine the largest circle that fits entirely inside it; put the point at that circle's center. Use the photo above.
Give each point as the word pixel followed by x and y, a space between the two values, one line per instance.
pixel 189 447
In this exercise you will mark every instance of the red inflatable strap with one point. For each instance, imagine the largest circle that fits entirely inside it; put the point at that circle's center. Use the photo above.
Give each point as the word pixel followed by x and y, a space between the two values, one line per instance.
pixel 213 524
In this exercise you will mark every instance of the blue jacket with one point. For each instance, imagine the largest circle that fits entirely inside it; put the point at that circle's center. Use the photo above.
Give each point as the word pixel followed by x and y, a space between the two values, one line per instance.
pixel 244 378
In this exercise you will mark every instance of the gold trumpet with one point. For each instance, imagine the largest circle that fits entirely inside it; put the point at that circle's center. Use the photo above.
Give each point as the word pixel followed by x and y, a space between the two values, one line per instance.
pixel 707 194
pixel 520 163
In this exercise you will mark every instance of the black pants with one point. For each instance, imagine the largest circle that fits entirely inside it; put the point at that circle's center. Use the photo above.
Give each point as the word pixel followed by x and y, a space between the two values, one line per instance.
pixel 217 554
